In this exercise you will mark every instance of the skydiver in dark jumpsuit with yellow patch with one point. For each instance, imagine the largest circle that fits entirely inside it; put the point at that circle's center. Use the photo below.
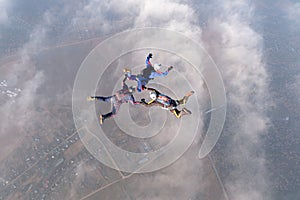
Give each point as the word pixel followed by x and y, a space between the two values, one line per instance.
pixel 121 96
pixel 167 103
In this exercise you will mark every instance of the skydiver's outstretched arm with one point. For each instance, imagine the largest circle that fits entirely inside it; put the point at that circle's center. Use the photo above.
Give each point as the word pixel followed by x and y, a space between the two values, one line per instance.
pixel 101 98
pixel 133 101
pixel 158 74
pixel 150 103
pixel 176 112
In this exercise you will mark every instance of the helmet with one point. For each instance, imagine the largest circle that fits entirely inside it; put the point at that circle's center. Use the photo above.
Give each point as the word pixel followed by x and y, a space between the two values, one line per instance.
pixel 153 95
pixel 156 66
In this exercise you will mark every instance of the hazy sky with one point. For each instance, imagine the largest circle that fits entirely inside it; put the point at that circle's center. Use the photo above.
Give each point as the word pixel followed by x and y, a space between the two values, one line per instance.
pixel 232 33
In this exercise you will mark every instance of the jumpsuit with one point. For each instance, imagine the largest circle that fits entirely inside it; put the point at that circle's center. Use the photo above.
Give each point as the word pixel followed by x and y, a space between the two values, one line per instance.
pixel 147 74
pixel 165 102
pixel 120 97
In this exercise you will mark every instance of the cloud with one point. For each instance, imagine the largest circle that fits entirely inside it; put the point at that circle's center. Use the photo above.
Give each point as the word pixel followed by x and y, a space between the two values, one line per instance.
pixel 182 180
pixel 24 101
pixel 293 11
pixel 174 15
pixel 19 110
pixel 110 16
pixel 237 50
pixel 3 11
pixel 106 16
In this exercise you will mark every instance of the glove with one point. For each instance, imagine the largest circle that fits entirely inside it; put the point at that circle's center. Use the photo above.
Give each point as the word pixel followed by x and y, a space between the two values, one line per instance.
pixel 170 68
pixel 150 55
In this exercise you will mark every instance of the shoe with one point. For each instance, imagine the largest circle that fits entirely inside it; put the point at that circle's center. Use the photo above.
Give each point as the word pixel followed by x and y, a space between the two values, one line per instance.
pixel 90 98
pixel 190 93
pixel 101 119
pixel 185 111
pixel 126 70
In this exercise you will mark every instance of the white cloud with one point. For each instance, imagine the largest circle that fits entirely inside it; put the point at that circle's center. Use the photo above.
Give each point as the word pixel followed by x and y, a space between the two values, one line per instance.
pixel 106 16
pixel 20 112
pixel 24 69
pixel 111 16
pixel 237 49
pixel 182 180
pixel 175 15
pixel 3 11
pixel 293 12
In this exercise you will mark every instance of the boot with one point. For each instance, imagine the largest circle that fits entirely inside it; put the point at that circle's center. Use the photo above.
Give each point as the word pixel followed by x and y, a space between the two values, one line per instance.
pixel 101 119
pixel 90 98
pixel 185 111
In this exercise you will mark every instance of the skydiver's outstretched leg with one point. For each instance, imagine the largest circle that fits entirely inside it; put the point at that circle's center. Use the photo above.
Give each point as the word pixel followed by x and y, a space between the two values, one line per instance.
pixel 107 115
pixel 133 78
pixel 179 113
pixel 141 81
pixel 108 99
pixel 101 98
pixel 115 109
pixel 185 98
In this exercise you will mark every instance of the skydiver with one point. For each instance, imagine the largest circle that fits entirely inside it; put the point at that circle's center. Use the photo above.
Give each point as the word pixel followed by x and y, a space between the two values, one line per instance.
pixel 167 103
pixel 121 96
pixel 152 71
pixel 149 73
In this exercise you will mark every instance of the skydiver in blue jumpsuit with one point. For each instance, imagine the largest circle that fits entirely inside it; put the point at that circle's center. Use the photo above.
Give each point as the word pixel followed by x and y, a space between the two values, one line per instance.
pixel 149 73
pixel 167 103
pixel 121 96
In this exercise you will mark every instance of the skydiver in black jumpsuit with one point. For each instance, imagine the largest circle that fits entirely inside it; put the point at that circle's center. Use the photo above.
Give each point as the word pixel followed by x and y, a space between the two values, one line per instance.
pixel 167 103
